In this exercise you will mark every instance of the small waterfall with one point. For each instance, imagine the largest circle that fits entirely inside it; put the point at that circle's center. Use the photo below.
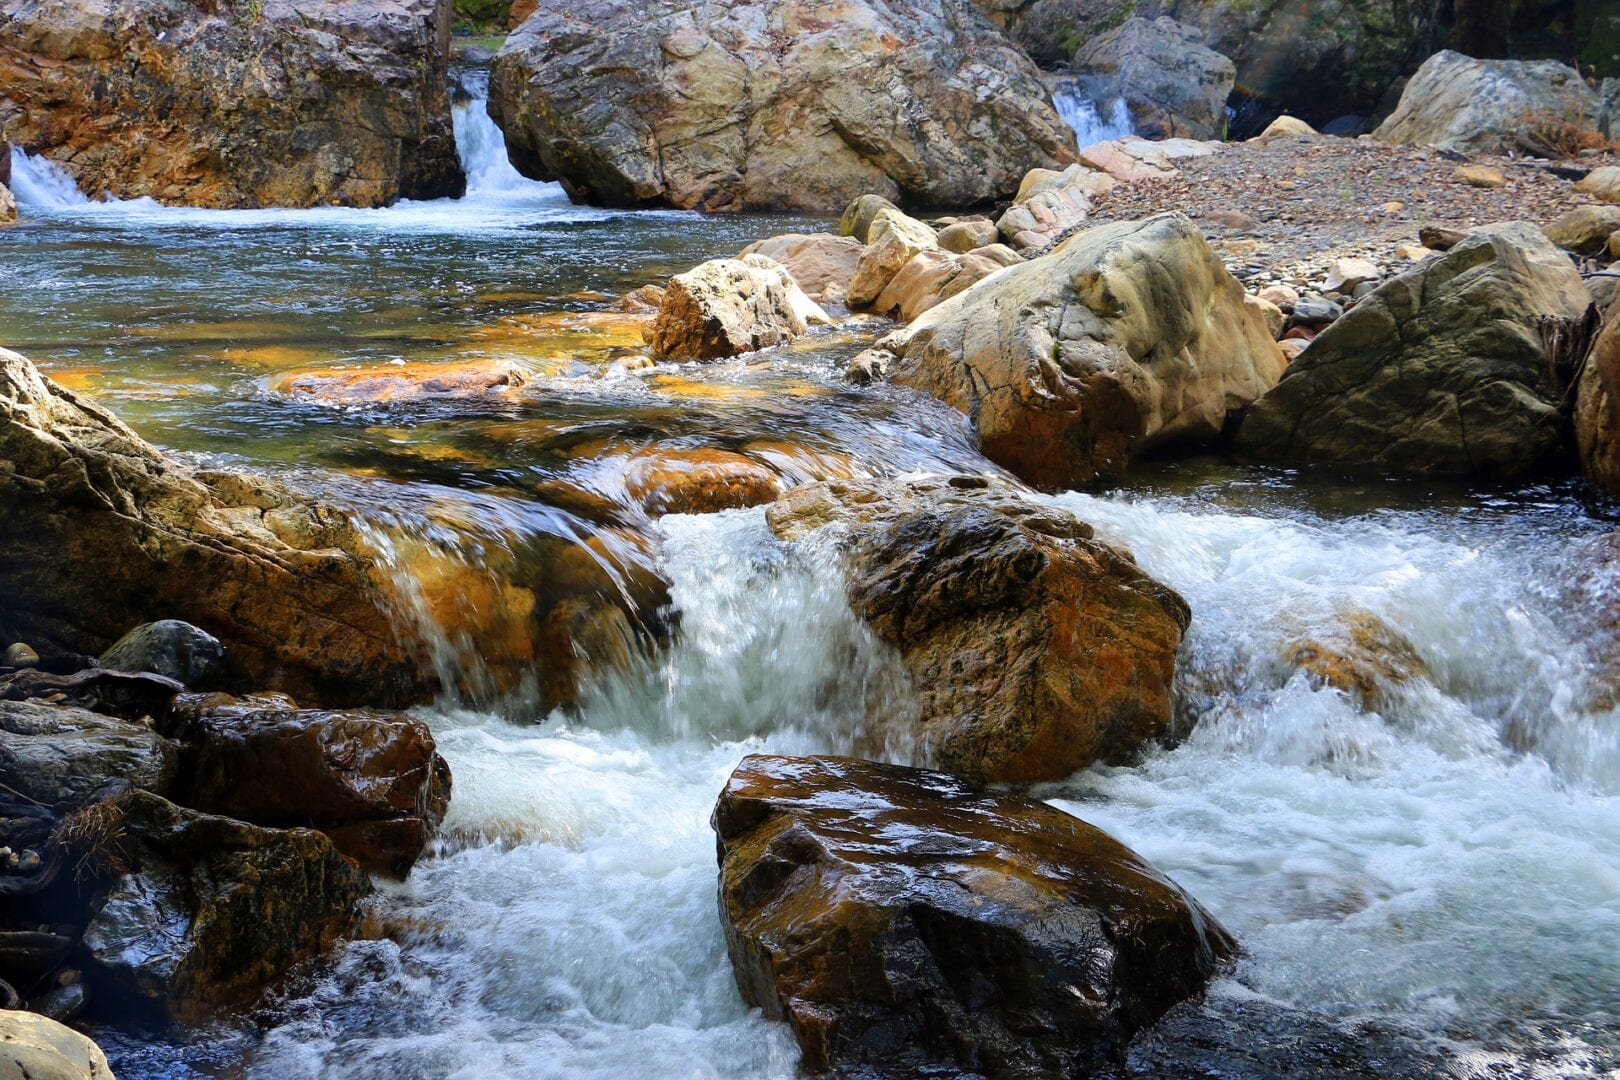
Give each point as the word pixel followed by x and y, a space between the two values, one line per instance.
pixel 39 181
pixel 1082 115
pixel 482 149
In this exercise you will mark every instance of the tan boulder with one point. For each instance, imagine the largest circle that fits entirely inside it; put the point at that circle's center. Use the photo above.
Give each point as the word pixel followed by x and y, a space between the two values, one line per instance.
pixel 1604 183
pixel 1129 160
pixel 34 1047
pixel 1122 338
pixel 102 532
pixel 1033 650
pixel 931 278
pixel 1346 274
pixel 961 237
pixel 859 900
pixel 1597 407
pixel 1286 125
pixel 859 215
pixel 729 306
pixel 821 264
pixel 1584 230
pixel 698 481
pixel 1480 176
pixel 893 240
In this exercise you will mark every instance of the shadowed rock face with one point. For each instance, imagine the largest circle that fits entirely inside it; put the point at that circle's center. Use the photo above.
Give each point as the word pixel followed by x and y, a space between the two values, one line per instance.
pixel 1597 407
pixel 102 532
pixel 896 920
pixel 236 104
pixel 772 104
pixel 1033 649
pixel 1120 339
pixel 1456 367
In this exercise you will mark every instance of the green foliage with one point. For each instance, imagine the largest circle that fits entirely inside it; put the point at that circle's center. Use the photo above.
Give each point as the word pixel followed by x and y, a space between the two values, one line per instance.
pixel 483 13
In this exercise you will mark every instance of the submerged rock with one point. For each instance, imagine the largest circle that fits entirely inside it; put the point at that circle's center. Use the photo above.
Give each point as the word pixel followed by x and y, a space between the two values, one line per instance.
pixel 729 306
pixel 33 1047
pixel 1453 367
pixel 771 104
pixel 1122 338
pixel 1033 649
pixel 102 531
pixel 374 782
pixel 699 481
pixel 396 383
pixel 1473 106
pixel 1174 86
pixel 214 909
pixel 171 648
pixel 898 921
pixel 1359 654
pixel 236 105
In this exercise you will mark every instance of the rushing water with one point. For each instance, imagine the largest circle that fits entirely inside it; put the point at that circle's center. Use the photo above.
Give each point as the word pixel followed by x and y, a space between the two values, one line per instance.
pixel 1086 117
pixel 1448 865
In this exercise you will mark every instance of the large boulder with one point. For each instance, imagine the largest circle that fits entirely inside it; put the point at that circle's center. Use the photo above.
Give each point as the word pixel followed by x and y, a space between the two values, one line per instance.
pixel 932 277
pixel 892 240
pixel 238 104
pixel 57 755
pixel 822 264
pixel 1453 367
pixel 171 648
pixel 372 781
pixel 1174 86
pixel 1033 649
pixel 1123 338
pixel 729 306
pixel 102 531
pixel 212 909
pixel 1473 106
pixel 905 925
pixel 771 103
pixel 1597 407
pixel 34 1047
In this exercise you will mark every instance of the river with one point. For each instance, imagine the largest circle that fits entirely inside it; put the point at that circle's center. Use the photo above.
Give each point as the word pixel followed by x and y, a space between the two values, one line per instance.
pixel 1448 866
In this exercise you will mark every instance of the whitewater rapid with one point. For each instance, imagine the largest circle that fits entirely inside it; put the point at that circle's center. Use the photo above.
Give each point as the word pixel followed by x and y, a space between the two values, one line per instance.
pixel 1091 124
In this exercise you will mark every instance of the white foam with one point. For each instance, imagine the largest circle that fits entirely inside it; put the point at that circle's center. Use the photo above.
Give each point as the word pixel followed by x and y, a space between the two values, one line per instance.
pixel 1087 121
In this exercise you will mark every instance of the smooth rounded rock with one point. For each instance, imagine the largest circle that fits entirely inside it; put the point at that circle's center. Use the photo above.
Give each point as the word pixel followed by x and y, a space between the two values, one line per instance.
pixel 171 648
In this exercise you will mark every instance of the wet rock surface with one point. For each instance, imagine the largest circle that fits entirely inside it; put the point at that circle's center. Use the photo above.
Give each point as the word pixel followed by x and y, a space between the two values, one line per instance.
pixel 1597 407
pixel 900 922
pixel 1033 649
pixel 1459 366
pixel 103 530
pixel 171 648
pixel 1174 85
pixel 772 104
pixel 237 104
pixel 1119 340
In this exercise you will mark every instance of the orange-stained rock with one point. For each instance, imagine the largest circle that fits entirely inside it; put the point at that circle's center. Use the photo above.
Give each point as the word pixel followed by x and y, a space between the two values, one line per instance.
pixel 1597 407
pixel 1033 649
pixel 103 532
pixel 1358 653
pixel 400 382
pixel 799 464
pixel 273 103
pixel 698 481
pixel 905 925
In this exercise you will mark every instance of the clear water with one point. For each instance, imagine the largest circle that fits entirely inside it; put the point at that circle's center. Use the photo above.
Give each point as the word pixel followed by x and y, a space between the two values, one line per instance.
pixel 1449 865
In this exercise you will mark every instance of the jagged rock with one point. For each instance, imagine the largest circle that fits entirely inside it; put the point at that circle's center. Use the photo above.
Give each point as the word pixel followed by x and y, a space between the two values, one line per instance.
pixel 1122 338
pixel 1452 367
pixel 372 781
pixel 729 306
pixel 237 104
pixel 102 531
pixel 1597 407
pixel 1174 86
pixel 171 648
pixel 1050 205
pixel 1128 160
pixel 215 909
pixel 1473 106
pixel 932 277
pixel 8 201
pixel 778 104
pixel 33 1047
pixel 1033 649
pixel 902 924
pixel 822 264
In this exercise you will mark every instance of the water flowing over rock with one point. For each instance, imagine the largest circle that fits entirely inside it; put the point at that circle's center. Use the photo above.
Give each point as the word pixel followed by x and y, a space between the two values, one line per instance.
pixel 729 306
pixel 1458 366
pixel 1175 87
pixel 1122 338
pixel 772 103
pixel 900 922
pixel 33 1047
pixel 1597 407
pixel 238 104
pixel 1033 649
pixel 103 531
pixel 1473 106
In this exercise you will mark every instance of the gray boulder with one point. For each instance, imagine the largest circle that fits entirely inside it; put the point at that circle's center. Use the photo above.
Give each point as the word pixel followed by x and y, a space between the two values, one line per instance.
pixel 1175 86
pixel 1452 367
pixel 174 649
pixel 1473 106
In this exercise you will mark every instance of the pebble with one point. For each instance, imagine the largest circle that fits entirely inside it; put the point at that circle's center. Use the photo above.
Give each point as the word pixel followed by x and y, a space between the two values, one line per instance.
pixel 1283 296
pixel 1346 274
pixel 1413 252
pixel 20 655
pixel 1315 310
pixel 1481 176
pixel 28 861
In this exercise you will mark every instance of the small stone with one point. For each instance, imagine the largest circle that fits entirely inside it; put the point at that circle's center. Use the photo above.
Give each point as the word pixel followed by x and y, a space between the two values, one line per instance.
pixel 1394 206
pixel 1365 289
pixel 1346 274
pixel 1480 176
pixel 1300 333
pixel 1235 220
pixel 1413 252
pixel 1281 295
pixel 1292 347
pixel 19 655
pixel 1315 311
pixel 1614 246
pixel 1603 183
pixel 28 861
pixel 1441 237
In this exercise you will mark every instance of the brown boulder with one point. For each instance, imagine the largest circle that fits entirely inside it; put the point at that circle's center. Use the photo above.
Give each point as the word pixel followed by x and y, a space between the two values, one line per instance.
pixel 1359 654
pixel 729 306
pixel 372 781
pixel 102 532
pixel 1033 649
pixel 698 481
pixel 1597 407
pixel 267 104
pixel 903 924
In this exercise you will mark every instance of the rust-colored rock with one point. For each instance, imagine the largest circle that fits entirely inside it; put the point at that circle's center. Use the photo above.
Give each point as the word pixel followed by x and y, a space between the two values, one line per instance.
pixel 1033 649
pixel 1358 654
pixel 237 104
pixel 698 481
pixel 1597 407
pixel 103 532
pixel 903 925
